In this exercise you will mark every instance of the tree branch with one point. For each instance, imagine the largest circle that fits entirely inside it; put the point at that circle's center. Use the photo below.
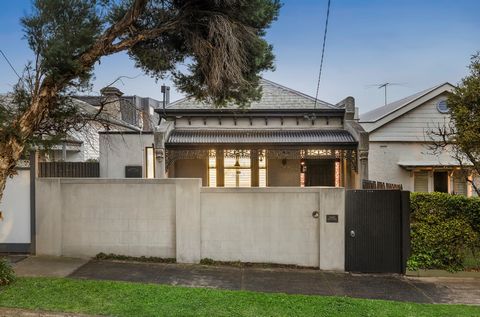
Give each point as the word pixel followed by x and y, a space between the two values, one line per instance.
pixel 142 36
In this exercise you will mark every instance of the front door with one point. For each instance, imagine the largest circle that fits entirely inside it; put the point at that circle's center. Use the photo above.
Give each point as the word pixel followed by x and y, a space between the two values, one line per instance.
pixel 320 173
pixel 440 182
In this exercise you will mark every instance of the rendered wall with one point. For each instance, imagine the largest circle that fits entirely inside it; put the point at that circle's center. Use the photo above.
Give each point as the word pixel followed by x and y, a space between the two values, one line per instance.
pixel 274 225
pixel 384 159
pixel 119 150
pixel 260 225
pixel 82 217
pixel 15 207
pixel 177 218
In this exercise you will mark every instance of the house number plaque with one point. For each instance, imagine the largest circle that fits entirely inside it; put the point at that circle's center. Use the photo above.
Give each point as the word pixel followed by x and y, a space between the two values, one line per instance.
pixel 332 218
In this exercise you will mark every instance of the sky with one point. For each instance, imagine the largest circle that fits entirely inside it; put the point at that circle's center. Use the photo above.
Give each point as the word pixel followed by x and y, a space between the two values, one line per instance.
pixel 415 43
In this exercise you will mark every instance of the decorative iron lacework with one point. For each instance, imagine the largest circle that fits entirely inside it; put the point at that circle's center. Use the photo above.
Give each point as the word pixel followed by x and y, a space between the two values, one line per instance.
pixel 350 155
pixel 23 164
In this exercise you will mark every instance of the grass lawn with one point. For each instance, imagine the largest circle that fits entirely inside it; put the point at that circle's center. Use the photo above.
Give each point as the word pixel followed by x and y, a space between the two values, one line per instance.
pixel 135 299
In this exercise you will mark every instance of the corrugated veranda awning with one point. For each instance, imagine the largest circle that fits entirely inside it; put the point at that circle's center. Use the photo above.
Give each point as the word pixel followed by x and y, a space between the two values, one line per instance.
pixel 261 138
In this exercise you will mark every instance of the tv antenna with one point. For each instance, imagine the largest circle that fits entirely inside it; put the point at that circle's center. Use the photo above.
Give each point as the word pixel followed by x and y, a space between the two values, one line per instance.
pixel 385 85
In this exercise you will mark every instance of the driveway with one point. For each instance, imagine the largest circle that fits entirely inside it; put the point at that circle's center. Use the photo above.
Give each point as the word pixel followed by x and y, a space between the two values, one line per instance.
pixel 309 282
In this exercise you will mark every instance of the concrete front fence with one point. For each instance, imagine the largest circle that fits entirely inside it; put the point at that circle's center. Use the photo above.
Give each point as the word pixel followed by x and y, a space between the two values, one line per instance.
pixel 177 218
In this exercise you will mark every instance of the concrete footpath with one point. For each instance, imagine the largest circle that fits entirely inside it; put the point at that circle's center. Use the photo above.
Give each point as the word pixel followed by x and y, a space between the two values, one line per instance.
pixel 290 281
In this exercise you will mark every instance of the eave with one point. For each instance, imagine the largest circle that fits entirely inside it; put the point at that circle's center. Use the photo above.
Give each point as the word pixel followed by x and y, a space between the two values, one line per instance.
pixel 167 113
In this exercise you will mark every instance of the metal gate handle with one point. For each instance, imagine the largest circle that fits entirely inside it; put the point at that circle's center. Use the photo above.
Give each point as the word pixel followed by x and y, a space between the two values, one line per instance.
pixel 352 233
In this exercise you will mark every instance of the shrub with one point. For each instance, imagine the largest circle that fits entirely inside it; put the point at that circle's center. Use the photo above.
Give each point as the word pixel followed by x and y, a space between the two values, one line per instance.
pixel 7 275
pixel 444 228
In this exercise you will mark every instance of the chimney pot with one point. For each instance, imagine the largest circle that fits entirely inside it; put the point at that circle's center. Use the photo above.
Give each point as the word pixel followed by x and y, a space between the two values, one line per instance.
pixel 111 91
pixel 112 106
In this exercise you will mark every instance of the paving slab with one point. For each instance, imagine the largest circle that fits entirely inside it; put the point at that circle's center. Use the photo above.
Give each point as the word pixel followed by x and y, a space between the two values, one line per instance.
pixel 443 273
pixel 290 281
pixel 47 266
pixel 13 258
pixel 384 286
pixel 307 282
pixel 449 290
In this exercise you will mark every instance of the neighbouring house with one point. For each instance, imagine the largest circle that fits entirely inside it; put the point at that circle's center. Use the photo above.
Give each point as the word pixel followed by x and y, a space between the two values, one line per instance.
pixel 66 159
pixel 287 138
pixel 118 113
pixel 399 138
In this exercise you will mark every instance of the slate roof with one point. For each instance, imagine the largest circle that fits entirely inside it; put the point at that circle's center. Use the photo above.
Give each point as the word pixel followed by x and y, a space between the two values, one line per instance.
pixel 92 110
pixel 380 112
pixel 128 107
pixel 243 137
pixel 274 97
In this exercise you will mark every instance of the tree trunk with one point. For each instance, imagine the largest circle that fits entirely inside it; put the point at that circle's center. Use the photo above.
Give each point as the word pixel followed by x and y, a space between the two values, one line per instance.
pixel 11 151
pixel 27 124
pixel 12 147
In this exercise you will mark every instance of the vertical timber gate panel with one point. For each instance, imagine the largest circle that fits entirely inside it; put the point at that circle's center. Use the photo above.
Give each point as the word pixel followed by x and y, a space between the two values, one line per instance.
pixel 377 231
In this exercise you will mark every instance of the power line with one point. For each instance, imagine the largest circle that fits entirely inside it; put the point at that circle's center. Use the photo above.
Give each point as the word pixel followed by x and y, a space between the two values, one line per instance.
pixel 10 64
pixel 323 53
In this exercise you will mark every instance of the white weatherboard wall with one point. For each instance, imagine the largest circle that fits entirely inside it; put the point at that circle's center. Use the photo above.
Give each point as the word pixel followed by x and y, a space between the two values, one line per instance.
pixel 15 206
pixel 405 140
pixel 177 218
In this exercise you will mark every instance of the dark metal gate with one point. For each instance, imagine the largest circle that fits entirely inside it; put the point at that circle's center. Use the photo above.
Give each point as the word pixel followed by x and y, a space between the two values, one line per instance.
pixel 377 227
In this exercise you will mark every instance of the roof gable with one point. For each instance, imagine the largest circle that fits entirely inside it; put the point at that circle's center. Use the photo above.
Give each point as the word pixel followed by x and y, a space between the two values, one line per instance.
pixel 274 97
pixel 378 117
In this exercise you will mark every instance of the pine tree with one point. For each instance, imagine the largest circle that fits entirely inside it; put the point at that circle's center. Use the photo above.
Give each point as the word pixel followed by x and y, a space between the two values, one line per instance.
pixel 222 41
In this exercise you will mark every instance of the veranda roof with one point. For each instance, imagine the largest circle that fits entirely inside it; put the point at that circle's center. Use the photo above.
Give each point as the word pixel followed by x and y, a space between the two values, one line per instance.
pixel 252 138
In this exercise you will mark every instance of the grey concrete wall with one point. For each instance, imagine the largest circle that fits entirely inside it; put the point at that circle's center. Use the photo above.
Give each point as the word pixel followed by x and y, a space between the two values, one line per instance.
pixel 273 225
pixel 48 216
pixel 120 150
pixel 332 235
pixel 178 218
pixel 15 207
pixel 283 175
pixel 82 217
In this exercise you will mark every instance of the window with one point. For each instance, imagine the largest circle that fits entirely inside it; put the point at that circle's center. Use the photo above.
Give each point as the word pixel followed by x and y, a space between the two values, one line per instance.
pixel 420 180
pixel 237 169
pixel 442 106
pixel 459 183
pixel 150 162
pixel 337 174
pixel 262 170
pixel 212 171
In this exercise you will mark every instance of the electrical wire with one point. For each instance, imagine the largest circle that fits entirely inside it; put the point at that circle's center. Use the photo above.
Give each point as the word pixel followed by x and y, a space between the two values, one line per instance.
pixel 10 64
pixel 323 53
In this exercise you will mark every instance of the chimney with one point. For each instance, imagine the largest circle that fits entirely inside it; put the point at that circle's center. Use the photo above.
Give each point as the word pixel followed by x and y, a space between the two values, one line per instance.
pixel 166 95
pixel 349 105
pixel 111 101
